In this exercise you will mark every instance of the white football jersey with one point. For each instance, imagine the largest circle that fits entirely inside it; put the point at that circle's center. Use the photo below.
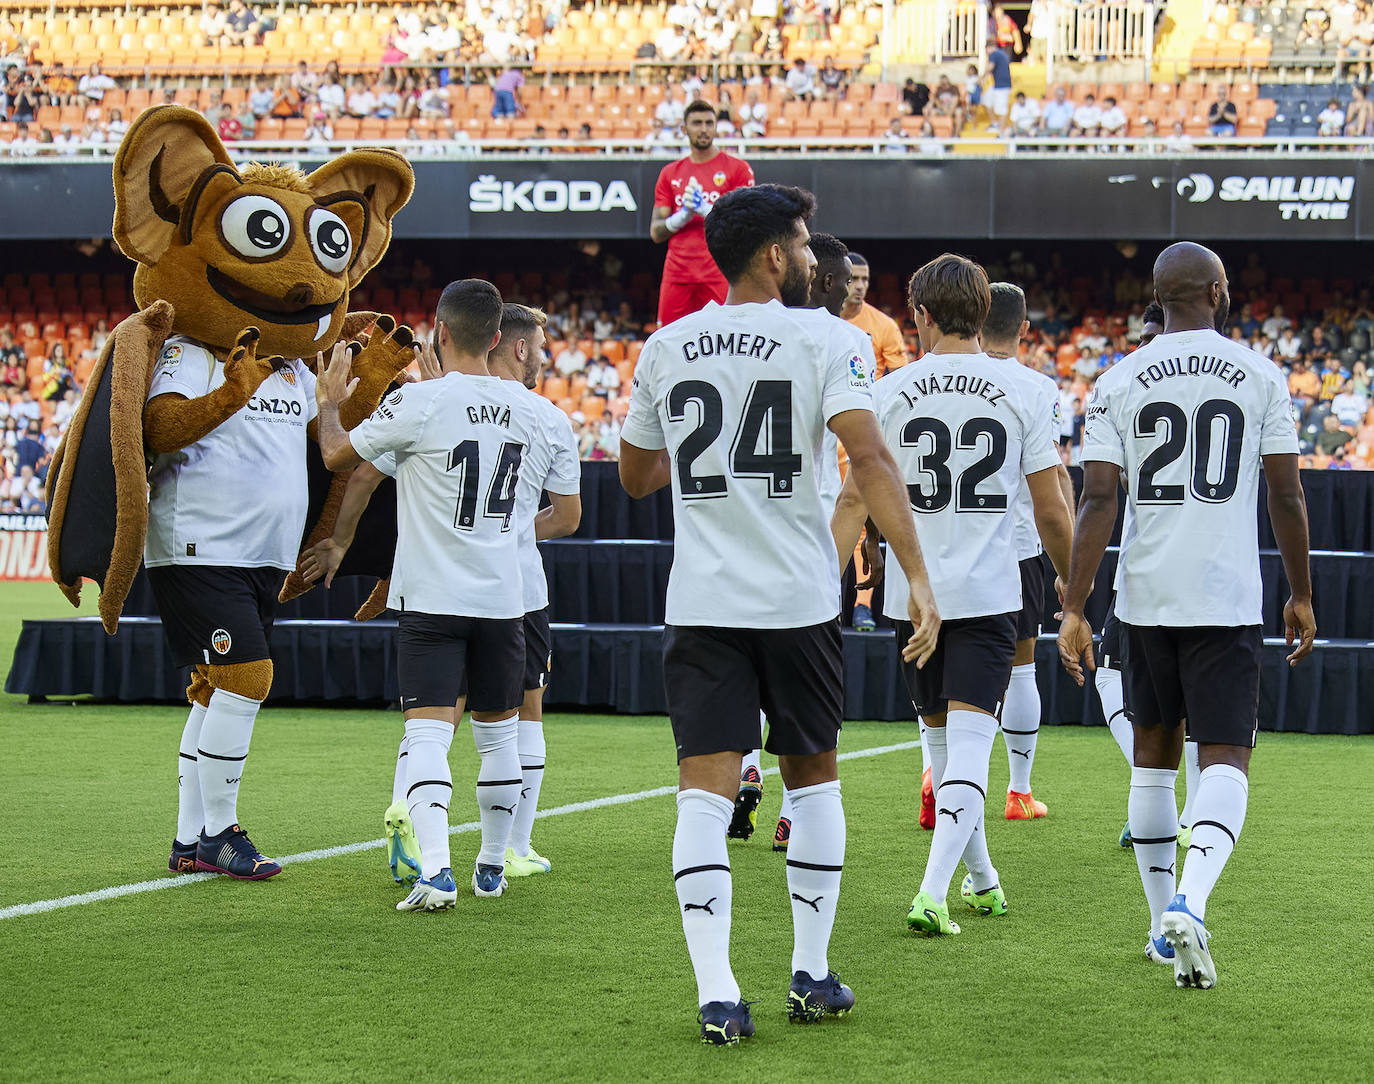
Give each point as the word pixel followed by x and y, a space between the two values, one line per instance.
pixel 1027 534
pixel 239 495
pixel 828 466
pixel 460 442
pixel 965 430
pixel 740 395
pixel 551 465
pixel 1188 417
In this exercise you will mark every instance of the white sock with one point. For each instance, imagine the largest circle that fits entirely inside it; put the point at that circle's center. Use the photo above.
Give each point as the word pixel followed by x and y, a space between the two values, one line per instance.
pixel 1021 725
pixel 701 875
pixel 530 746
pixel 190 808
pixel 498 785
pixel 398 778
pixel 785 813
pixel 935 746
pixel 1154 833
pixel 1222 794
pixel 815 859
pixel 429 790
pixel 1114 711
pixel 220 753
pixel 925 753
pixel 959 800
pixel 752 759
pixel 1191 773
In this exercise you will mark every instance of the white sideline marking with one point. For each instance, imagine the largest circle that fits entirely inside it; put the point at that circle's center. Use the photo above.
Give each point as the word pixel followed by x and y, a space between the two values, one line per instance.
pixel 39 907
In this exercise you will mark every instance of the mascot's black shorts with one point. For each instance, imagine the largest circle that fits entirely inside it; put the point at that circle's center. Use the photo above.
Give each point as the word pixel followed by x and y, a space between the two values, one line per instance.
pixel 216 615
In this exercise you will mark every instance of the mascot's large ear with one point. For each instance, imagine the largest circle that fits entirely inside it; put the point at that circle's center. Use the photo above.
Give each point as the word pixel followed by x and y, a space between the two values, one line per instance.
pixel 379 182
pixel 166 151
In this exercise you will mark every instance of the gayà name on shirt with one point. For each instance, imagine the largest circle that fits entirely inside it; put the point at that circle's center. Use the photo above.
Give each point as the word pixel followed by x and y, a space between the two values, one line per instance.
pixel 1192 365
pixel 953 384
pixel 487 414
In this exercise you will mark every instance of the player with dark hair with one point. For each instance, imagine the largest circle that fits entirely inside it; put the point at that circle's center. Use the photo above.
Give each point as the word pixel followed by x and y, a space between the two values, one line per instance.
pixel 967 431
pixel 1006 325
pixel 684 195
pixel 1191 419
pixel 456 445
pixel 881 329
pixel 729 407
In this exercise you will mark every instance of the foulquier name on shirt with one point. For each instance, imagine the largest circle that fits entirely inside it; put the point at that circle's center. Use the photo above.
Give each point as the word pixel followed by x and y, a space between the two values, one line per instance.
pixel 953 384
pixel 1192 365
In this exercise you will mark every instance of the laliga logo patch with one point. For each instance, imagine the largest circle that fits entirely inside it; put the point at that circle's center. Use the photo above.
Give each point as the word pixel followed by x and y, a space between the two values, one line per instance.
pixel 171 357
pixel 858 377
pixel 221 641
pixel 1198 187
pixel 718 178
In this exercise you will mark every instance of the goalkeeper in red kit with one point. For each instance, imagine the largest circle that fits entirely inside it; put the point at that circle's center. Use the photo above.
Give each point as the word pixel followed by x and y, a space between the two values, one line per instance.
pixel 684 195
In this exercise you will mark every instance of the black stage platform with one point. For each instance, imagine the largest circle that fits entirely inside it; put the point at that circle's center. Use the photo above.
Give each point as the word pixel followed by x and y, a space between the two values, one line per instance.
pixel 617 667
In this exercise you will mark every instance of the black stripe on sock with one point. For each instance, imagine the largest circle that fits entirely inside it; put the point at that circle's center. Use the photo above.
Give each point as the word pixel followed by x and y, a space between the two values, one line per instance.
pixel 531 767
pixel 1161 839
pixel 498 782
pixel 814 865
pixel 428 783
pixel 697 869
pixel 1121 711
pixel 966 782
pixel 400 755
pixel 1216 824
pixel 187 756
pixel 216 756
pixel 1035 731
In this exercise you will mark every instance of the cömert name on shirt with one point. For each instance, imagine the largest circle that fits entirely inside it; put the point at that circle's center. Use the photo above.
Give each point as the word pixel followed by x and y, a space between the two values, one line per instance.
pixel 738 344
pixel 952 384
pixel 1192 365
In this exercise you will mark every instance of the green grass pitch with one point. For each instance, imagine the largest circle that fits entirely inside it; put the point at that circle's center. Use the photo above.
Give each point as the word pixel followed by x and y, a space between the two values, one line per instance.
pixel 583 974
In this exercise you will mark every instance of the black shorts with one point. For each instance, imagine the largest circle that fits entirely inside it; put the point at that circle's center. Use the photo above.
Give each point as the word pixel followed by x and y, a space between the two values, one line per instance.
pixel 538 649
pixel 1032 597
pixel 214 614
pixel 718 679
pixel 1112 654
pixel 443 657
pixel 1209 674
pixel 972 664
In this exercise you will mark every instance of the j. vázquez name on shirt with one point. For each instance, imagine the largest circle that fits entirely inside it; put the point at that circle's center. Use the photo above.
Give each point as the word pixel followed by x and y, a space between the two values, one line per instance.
pixel 953 384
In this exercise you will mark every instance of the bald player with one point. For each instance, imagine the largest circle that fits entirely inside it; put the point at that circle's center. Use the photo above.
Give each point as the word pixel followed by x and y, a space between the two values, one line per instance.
pixel 1191 419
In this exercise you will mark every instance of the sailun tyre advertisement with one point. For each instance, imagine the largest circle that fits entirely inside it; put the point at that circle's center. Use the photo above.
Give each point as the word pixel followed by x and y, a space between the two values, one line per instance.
pixel 1064 196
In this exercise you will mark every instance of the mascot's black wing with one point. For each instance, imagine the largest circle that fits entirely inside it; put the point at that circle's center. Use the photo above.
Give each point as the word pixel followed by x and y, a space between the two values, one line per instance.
pixel 98 482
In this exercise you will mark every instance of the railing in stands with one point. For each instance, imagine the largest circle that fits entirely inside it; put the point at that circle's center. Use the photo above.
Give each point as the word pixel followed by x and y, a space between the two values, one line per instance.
pixel 932 31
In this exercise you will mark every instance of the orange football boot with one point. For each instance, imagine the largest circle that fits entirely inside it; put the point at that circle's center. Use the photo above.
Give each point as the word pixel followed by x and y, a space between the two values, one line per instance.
pixel 927 802
pixel 1024 807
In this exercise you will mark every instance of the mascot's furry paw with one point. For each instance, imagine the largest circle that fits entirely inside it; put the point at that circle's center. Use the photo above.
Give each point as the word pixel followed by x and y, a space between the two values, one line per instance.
pixel 389 350
pixel 243 369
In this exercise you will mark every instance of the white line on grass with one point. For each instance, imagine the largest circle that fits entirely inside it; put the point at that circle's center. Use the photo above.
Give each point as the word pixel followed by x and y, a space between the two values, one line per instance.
pixel 39 907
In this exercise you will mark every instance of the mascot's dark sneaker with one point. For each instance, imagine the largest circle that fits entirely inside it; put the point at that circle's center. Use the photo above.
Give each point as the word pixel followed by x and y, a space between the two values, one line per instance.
pixel 724 1024
pixel 183 858
pixel 810 999
pixel 746 816
pixel 232 852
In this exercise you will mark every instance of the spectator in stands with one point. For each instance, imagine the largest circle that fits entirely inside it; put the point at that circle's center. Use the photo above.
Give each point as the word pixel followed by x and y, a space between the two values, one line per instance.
pixel 603 327
pixel 671 107
pixel 768 46
pixel 388 99
pixel 570 359
pixel 66 407
pixel 915 97
pixel 259 98
pixel 212 24
pixel 1350 406
pixel 100 333
pixel 1334 377
pixel 753 115
pixel 23 145
pixel 999 94
pixel 1276 322
pixel 242 26
pixel 832 80
pixel 91 137
pixel 13 361
pixel 626 326
pixel 1113 123
pixel 434 102
pixel 1024 116
pixel 1289 344
pixel 506 93
pixel 303 80
pixel 928 144
pixel 24 487
pixel 66 141
pixel 800 82
pixel 1058 115
pixel 362 102
pixel 1359 114
pixel 288 104
pixel 94 84
pixel 1087 119
pixel 603 378
pixel 895 139
pixel 31 453
pixel 229 128
pixel 1332 436
pixel 946 101
pixel 1178 141
pixel 1221 114
pixel 57 372
pixel 1039 29
pixel 248 120
pixel 1315 28
pixel 319 132
pixel 331 97
pixel 1331 120
pixel 59 88
pixel 1003 30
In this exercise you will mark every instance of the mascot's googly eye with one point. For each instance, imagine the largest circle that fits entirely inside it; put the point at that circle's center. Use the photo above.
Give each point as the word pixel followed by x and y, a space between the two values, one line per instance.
pixel 330 240
pixel 256 227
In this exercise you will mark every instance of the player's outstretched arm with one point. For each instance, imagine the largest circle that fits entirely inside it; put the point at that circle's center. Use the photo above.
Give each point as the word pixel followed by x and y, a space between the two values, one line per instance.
pixel 333 387
pixel 879 481
pixel 1288 514
pixel 643 470
pixel 847 520
pixel 324 558
pixel 560 518
pixel 1096 518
